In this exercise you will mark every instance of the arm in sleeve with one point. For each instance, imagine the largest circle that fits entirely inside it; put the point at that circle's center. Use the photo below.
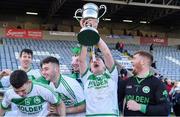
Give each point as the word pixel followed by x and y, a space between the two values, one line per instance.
pixel 82 60
pixel 5 82
pixel 162 106
pixel 5 103
pixel 114 73
pixel 79 106
pixel 53 98
pixel 108 58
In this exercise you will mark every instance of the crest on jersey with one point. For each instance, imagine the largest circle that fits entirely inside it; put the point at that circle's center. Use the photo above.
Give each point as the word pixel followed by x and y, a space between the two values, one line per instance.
pixel 27 101
pixel 37 100
pixel 146 89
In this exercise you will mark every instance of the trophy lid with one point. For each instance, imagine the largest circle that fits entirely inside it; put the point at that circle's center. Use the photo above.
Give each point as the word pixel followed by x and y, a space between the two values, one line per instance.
pixel 90 6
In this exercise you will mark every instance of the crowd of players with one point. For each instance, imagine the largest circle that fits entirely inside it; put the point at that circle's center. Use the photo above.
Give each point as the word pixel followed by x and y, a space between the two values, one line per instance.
pixel 93 88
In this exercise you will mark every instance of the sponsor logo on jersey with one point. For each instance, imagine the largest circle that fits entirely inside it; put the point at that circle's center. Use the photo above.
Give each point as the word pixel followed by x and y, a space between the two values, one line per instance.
pixel 138 99
pixel 29 105
pixel 146 89
pixel 30 109
pixel 100 82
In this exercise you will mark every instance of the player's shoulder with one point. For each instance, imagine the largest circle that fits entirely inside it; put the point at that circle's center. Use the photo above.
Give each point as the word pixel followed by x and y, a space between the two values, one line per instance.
pixel 10 92
pixel 67 78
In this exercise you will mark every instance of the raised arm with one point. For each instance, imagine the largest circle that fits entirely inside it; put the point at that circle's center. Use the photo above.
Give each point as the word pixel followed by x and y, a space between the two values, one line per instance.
pixel 5 72
pixel 83 54
pixel 109 61
pixel 82 60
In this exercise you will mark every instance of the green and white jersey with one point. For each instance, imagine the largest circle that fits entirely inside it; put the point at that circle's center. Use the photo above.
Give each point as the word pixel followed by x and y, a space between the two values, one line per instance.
pixel 101 93
pixel 70 92
pixel 32 75
pixel 35 102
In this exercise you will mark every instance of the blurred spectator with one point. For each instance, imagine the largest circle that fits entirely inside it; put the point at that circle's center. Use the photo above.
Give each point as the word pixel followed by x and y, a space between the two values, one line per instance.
pixel 146 35
pixel 55 27
pixel 126 53
pixel 169 86
pixel 124 32
pixel 120 46
pixel 139 33
pixel 123 74
pixel 159 76
pixel 130 34
pixel 153 65
pixel 155 35
pixel 19 27
pixel 151 47
pixel 175 92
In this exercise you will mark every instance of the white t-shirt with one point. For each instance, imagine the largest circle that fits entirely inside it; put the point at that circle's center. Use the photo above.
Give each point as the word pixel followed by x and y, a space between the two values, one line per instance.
pixel 101 93
pixel 35 102
pixel 32 74
pixel 71 92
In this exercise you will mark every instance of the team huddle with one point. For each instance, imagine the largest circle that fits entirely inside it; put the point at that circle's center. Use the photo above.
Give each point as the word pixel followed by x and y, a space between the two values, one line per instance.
pixel 91 90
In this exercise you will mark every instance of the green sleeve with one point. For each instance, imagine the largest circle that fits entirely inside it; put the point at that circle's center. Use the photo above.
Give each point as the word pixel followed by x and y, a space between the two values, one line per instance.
pixel 42 80
pixel 143 108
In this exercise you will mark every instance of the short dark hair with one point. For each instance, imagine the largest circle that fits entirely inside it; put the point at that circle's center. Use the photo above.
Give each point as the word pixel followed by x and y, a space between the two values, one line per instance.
pixel 49 59
pixel 18 78
pixel 145 54
pixel 28 51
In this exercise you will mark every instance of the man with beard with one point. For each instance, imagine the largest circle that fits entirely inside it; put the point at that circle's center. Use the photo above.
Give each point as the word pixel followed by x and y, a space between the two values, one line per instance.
pixel 25 58
pixel 100 81
pixel 143 94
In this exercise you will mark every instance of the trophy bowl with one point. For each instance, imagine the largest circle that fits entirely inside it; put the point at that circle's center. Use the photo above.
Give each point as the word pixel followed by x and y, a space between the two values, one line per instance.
pixel 88 36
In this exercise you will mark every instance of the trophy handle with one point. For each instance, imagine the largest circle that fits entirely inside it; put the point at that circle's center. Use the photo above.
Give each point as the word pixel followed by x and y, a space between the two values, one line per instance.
pixel 105 9
pixel 75 14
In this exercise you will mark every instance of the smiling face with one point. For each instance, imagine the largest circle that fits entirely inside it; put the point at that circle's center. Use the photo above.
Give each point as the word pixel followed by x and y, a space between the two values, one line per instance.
pixel 75 63
pixel 97 66
pixel 25 60
pixel 49 71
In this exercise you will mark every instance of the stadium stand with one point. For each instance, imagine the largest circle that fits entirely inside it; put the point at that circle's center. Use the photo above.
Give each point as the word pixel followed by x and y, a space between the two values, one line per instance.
pixel 167 58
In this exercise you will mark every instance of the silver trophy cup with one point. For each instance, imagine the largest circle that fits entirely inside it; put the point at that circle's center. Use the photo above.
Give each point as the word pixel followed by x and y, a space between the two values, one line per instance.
pixel 88 35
